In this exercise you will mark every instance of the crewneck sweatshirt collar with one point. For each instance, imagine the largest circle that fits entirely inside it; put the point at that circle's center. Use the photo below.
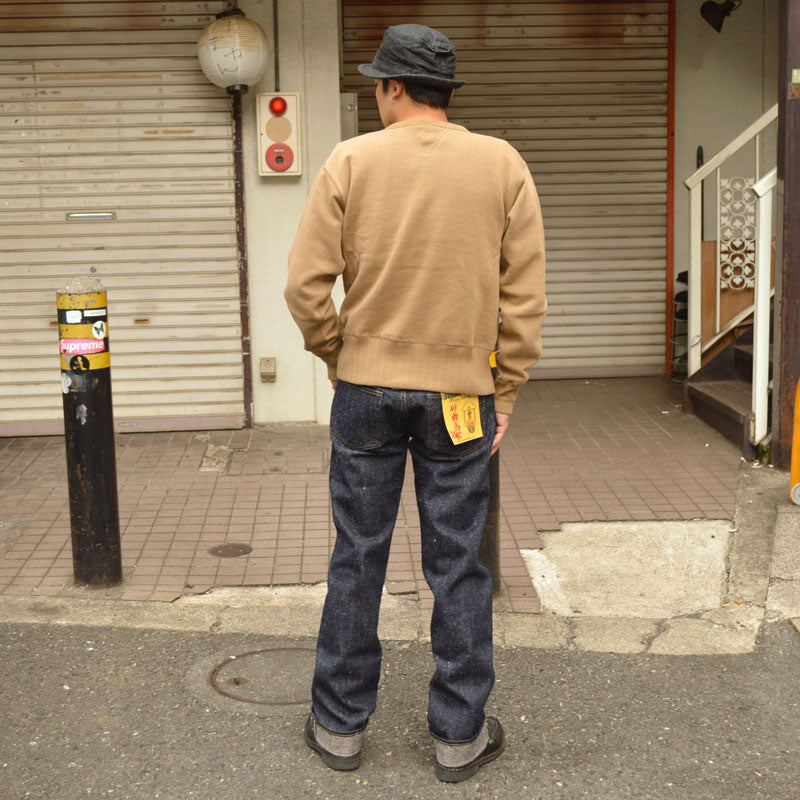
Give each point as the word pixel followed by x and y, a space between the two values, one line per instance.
pixel 419 121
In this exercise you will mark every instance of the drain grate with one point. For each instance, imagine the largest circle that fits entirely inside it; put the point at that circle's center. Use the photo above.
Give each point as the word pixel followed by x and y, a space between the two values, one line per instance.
pixel 230 550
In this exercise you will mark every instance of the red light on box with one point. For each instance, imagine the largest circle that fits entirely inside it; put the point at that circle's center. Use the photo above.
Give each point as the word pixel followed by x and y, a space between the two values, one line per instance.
pixel 277 106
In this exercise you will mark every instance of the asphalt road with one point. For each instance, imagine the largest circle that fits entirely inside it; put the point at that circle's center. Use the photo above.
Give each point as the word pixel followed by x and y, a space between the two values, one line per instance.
pixel 94 712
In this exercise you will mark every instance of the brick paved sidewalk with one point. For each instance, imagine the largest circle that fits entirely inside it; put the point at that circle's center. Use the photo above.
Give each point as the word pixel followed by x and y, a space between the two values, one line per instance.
pixel 576 451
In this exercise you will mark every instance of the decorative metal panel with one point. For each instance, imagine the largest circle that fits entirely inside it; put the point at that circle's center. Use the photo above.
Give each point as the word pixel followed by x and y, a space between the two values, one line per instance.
pixel 737 237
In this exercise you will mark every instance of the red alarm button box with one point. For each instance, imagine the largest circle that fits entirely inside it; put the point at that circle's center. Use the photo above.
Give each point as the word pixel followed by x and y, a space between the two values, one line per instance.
pixel 280 157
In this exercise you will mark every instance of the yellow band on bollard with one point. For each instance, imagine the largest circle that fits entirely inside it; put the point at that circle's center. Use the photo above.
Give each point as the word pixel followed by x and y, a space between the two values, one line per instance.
pixel 89 300
pixel 794 475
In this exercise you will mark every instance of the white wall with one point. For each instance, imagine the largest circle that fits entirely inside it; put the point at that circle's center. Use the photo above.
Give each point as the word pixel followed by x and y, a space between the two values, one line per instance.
pixel 308 62
pixel 723 82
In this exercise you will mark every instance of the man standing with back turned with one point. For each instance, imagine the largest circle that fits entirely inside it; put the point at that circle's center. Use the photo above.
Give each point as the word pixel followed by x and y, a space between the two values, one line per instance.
pixel 437 233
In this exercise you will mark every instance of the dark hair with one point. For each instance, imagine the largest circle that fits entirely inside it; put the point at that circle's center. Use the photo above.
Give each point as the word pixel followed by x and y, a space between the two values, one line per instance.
pixel 426 95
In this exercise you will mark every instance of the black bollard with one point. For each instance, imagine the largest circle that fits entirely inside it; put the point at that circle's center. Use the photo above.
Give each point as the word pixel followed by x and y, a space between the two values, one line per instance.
pixel 89 432
pixel 489 552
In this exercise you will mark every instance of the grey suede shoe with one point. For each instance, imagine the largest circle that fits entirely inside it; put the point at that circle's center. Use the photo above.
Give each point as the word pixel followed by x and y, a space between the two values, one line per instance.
pixel 495 746
pixel 334 761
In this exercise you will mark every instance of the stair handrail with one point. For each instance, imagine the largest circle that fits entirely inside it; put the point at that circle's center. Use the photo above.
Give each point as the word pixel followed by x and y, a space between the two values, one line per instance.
pixel 733 146
pixel 694 344
pixel 763 189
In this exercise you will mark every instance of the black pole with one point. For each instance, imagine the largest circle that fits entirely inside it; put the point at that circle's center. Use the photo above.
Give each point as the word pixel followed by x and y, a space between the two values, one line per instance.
pixel 489 552
pixel 89 432
pixel 490 543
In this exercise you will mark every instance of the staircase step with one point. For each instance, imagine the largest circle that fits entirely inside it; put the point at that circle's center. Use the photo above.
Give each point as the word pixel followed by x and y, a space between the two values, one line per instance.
pixel 683 277
pixel 731 398
pixel 748 349
pixel 725 406
pixel 682 296
pixel 743 360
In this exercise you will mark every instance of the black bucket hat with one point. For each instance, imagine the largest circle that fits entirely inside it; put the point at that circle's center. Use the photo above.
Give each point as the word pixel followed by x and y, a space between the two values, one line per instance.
pixel 415 53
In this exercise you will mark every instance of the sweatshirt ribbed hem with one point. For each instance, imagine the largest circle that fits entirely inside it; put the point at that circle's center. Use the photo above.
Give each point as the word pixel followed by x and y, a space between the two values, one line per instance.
pixel 413 365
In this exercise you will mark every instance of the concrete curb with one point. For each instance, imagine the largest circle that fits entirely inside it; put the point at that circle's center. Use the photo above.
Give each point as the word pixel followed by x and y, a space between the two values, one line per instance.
pixel 295 612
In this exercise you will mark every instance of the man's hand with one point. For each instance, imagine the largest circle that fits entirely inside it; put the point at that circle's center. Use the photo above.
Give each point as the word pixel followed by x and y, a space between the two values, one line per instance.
pixel 502 427
pixel 333 383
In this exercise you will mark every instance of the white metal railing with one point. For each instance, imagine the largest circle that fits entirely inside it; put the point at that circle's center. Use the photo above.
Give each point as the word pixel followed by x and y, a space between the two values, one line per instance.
pixel 696 346
pixel 761 314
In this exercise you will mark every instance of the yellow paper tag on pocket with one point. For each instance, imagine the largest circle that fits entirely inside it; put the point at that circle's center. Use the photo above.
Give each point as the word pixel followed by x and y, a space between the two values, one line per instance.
pixel 462 417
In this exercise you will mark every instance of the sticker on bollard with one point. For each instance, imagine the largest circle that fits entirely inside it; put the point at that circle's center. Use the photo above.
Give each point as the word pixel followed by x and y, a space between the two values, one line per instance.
pixel 83 338
pixel 82 346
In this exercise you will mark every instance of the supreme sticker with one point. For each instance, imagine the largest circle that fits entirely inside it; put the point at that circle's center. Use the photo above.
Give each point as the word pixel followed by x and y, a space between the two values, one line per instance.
pixel 82 346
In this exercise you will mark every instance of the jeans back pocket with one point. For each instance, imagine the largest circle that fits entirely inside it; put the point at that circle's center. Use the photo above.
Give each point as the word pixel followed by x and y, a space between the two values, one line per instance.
pixel 438 436
pixel 356 416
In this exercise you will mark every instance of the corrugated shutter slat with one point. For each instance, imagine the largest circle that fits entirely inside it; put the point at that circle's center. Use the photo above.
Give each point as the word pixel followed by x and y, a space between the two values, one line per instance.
pixel 121 121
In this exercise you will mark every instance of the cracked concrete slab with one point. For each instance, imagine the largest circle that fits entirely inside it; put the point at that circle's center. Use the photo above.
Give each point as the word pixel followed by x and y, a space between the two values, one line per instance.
pixel 783 599
pixel 702 637
pixel 786 548
pixel 106 614
pixel 648 570
pixel 538 631
pixel 736 616
pixel 760 490
pixel 614 634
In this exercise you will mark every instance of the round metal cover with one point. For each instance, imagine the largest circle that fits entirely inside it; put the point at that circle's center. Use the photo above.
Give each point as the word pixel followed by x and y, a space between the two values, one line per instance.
pixel 279 676
pixel 230 550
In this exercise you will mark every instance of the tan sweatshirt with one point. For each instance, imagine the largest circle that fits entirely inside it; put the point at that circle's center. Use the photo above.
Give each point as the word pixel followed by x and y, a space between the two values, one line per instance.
pixel 435 230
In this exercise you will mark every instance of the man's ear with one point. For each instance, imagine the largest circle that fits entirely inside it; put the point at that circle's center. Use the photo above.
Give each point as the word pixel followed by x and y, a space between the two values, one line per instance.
pixel 396 89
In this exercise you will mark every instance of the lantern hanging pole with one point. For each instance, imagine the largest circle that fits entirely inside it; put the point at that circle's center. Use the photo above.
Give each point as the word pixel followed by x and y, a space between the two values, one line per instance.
pixel 275 45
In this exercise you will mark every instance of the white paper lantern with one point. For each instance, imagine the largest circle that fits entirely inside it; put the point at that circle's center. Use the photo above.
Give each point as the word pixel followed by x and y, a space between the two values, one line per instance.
pixel 233 51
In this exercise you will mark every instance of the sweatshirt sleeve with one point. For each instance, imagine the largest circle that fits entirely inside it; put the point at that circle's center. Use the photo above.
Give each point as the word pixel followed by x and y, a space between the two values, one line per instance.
pixel 522 294
pixel 315 260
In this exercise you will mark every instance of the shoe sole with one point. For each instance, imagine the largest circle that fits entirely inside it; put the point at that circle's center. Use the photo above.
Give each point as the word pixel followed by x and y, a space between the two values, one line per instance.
pixel 341 763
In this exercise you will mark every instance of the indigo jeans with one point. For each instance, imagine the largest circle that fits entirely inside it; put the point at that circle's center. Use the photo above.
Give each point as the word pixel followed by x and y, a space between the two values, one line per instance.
pixel 372 428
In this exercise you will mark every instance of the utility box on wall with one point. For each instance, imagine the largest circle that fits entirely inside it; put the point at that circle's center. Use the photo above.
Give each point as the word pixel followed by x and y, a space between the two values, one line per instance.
pixel 278 116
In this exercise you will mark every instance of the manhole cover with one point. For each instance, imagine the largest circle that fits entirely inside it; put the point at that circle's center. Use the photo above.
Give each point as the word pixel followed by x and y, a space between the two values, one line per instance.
pixel 279 676
pixel 230 550
pixel 271 683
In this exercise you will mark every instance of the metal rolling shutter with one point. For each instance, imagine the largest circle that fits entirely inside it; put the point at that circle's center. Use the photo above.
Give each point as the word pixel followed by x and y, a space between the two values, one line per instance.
pixel 580 89
pixel 103 108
